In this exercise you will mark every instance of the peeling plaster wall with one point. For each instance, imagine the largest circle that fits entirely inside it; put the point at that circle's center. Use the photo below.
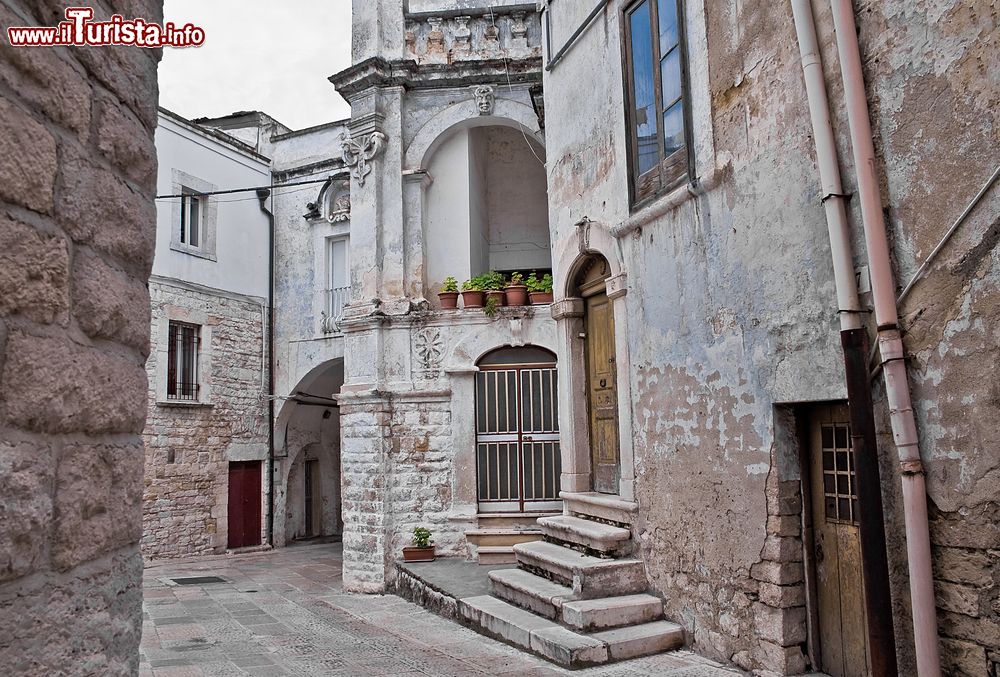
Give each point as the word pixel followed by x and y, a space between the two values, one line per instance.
pixel 732 307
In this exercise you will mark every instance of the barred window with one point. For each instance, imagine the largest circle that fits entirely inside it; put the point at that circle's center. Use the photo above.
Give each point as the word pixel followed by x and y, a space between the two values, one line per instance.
pixel 183 344
pixel 657 97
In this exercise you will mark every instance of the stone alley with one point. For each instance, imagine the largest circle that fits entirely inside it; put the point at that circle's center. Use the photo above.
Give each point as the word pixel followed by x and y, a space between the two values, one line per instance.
pixel 283 612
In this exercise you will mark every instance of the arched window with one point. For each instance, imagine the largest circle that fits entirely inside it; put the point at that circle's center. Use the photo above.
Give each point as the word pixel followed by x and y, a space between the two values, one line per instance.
pixel 517 431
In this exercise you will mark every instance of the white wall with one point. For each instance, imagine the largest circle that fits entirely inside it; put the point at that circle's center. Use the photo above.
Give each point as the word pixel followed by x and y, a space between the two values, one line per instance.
pixel 447 243
pixel 240 263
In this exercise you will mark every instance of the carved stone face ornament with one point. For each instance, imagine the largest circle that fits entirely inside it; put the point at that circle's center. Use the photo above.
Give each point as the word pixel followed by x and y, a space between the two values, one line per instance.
pixel 485 99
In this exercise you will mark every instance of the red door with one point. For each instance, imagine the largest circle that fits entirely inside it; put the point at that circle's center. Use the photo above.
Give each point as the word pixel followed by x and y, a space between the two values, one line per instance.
pixel 244 504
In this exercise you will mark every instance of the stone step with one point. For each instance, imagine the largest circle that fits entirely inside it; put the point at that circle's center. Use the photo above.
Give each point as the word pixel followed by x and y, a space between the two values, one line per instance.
pixel 528 591
pixel 488 537
pixel 610 612
pixel 496 554
pixel 601 506
pixel 589 577
pixel 641 640
pixel 511 520
pixel 587 533
pixel 496 618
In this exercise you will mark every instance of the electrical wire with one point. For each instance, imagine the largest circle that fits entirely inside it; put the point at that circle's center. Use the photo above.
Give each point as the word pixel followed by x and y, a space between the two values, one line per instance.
pixel 510 86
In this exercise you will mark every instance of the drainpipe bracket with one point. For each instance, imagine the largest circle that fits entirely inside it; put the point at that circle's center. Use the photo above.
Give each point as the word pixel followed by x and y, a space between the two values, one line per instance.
pixel 911 467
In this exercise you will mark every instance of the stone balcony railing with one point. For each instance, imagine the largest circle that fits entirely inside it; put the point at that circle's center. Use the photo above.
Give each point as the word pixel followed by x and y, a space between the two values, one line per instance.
pixel 509 31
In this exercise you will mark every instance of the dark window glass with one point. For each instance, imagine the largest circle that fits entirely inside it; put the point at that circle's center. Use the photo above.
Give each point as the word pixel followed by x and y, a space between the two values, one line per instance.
pixel 182 361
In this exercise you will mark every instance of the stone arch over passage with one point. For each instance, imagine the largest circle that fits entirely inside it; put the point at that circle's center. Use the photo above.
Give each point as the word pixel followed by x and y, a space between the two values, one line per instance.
pixel 308 488
pixel 518 458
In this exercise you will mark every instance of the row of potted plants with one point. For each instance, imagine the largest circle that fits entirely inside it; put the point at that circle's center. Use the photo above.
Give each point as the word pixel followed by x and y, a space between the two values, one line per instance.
pixel 491 290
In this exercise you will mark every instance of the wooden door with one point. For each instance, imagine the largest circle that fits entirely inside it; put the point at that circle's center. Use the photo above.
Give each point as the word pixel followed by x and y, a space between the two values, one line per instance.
pixel 843 650
pixel 244 503
pixel 602 394
pixel 313 496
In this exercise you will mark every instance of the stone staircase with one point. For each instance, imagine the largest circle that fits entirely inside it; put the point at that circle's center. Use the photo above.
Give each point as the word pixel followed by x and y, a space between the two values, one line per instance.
pixel 577 598
pixel 494 540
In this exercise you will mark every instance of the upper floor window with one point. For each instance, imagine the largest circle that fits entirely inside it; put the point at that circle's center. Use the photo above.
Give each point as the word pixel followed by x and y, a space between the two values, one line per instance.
pixel 338 283
pixel 191 218
pixel 182 361
pixel 657 97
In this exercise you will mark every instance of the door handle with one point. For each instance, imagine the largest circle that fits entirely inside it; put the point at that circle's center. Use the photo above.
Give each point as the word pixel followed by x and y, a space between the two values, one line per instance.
pixel 604 383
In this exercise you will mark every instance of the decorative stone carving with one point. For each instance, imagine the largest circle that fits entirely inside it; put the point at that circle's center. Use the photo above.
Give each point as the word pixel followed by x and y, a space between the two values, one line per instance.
pixel 462 34
pixel 429 349
pixel 340 210
pixel 435 39
pixel 358 153
pixel 485 99
pixel 518 31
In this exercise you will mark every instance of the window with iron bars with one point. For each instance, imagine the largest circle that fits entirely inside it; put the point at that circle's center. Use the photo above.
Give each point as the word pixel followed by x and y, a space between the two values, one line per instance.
pixel 184 341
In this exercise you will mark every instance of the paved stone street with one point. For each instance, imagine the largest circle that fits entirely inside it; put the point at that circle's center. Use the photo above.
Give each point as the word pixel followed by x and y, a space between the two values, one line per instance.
pixel 283 613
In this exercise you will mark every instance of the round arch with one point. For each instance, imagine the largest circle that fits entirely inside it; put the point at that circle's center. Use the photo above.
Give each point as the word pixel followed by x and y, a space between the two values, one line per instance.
pixel 465 114
pixel 591 238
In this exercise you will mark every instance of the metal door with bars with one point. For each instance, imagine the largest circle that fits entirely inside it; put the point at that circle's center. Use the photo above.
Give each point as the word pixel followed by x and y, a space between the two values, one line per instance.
pixel 517 435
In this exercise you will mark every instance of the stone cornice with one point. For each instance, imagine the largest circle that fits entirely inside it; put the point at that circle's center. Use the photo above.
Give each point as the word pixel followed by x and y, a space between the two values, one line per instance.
pixel 378 72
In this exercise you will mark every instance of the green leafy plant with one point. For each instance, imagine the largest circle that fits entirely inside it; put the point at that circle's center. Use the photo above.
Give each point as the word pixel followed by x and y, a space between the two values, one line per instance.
pixel 491 306
pixel 422 537
pixel 450 284
pixel 493 281
pixel 475 284
pixel 516 279
pixel 543 285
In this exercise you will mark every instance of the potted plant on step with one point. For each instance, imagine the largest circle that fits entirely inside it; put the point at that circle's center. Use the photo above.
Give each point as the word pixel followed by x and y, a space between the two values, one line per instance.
pixel 422 549
pixel 449 294
pixel 540 290
pixel 472 293
pixel 517 291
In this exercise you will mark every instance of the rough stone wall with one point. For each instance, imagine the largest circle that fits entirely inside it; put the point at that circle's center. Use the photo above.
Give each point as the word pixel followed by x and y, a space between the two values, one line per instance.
pixel 731 305
pixel 77 173
pixel 188 447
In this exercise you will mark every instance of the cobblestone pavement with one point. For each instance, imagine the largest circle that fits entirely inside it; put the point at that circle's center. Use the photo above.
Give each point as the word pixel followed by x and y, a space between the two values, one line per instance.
pixel 284 613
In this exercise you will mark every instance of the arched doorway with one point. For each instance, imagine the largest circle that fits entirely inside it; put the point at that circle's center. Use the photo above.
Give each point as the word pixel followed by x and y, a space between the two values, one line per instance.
pixel 308 504
pixel 518 462
pixel 602 373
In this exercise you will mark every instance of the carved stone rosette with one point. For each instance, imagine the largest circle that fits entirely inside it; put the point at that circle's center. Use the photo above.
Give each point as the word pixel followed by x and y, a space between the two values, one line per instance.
pixel 358 153
pixel 428 348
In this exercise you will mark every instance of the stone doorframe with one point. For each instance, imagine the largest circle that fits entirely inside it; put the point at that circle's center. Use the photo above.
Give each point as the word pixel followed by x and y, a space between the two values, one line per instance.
pixel 590 238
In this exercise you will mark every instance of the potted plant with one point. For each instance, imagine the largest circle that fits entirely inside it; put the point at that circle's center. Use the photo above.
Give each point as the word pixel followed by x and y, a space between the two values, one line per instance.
pixel 422 549
pixel 517 291
pixel 540 290
pixel 493 284
pixel 472 293
pixel 449 293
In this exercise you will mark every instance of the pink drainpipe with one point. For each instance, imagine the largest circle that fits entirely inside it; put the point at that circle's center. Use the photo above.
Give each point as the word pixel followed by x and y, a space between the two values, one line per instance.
pixel 904 429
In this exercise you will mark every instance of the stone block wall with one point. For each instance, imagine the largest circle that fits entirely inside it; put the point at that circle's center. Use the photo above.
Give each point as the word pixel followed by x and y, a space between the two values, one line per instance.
pixel 77 222
pixel 189 446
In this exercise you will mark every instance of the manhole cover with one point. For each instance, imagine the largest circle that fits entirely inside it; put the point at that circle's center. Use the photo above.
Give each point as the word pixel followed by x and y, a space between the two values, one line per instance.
pixel 198 580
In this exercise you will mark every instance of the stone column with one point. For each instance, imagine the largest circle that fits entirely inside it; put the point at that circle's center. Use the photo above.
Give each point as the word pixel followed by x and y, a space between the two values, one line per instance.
pixel 364 425
pixel 77 229
pixel 573 417
pixel 465 493
pixel 617 288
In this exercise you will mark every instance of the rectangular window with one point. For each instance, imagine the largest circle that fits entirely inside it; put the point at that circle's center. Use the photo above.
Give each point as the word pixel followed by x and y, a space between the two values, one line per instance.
pixel 657 97
pixel 183 343
pixel 338 282
pixel 191 203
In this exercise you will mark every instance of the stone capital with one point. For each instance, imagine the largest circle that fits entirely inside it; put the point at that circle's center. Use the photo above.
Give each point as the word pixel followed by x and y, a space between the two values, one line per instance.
pixel 568 307
pixel 617 286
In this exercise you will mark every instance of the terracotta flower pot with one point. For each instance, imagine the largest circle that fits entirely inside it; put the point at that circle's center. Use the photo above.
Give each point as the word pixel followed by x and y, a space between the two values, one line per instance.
pixel 498 295
pixel 517 295
pixel 449 299
pixel 415 554
pixel 472 299
pixel 540 298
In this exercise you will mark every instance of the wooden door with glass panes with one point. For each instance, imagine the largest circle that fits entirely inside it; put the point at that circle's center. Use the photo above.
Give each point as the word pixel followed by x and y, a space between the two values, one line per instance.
pixel 843 650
